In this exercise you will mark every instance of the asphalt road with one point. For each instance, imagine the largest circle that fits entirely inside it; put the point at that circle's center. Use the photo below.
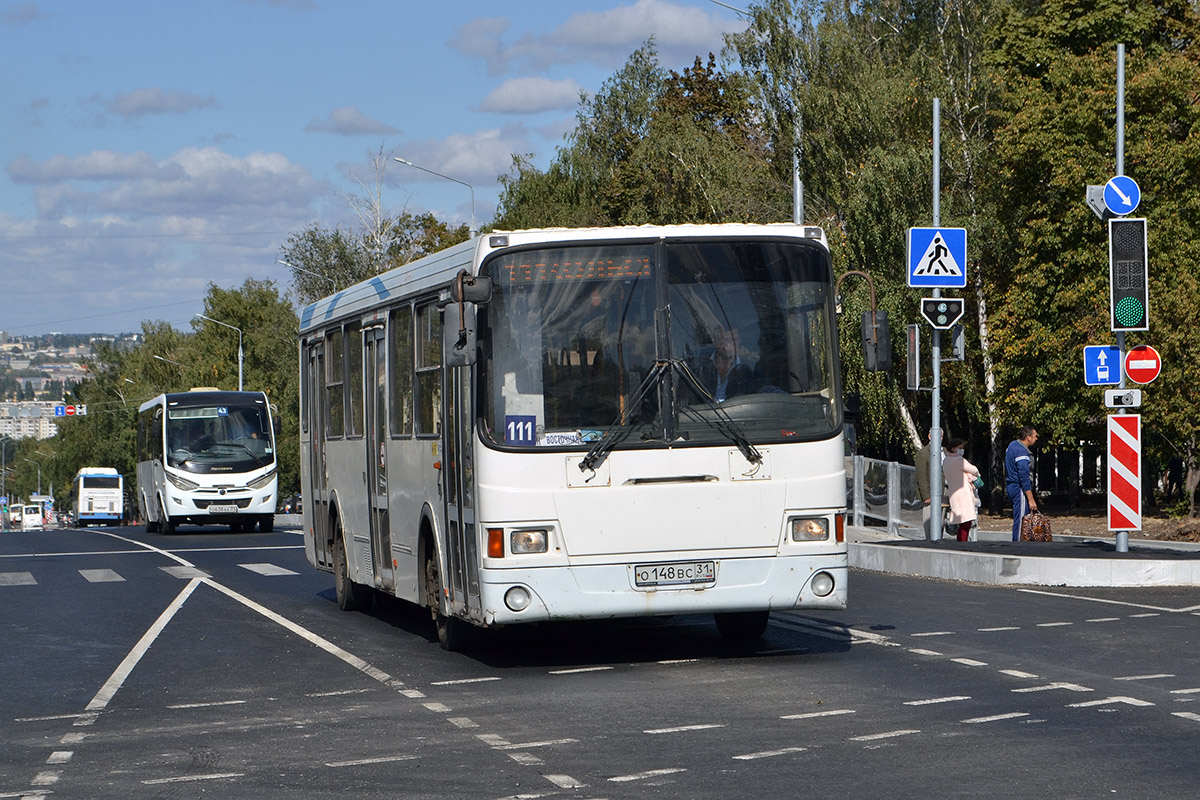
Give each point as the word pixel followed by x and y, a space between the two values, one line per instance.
pixel 208 663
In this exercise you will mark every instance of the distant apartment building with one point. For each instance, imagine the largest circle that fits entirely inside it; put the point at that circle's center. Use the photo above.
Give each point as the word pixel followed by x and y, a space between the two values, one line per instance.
pixel 32 419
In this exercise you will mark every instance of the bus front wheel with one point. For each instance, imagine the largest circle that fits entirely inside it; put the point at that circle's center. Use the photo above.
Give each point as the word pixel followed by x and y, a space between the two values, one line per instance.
pixel 452 632
pixel 350 595
pixel 166 524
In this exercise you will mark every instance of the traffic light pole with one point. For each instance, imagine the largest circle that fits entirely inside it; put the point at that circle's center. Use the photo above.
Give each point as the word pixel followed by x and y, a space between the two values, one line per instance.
pixel 1122 537
pixel 935 427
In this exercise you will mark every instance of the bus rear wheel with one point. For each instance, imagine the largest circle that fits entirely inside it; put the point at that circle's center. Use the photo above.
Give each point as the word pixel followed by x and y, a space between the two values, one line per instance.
pixel 350 596
pixel 452 632
pixel 742 626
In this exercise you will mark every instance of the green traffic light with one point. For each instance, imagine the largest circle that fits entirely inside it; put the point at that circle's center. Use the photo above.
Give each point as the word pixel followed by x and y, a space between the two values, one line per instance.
pixel 1129 311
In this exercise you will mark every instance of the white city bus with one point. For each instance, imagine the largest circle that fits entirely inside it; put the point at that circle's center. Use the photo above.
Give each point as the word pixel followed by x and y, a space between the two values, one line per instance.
pixel 207 457
pixel 98 496
pixel 580 424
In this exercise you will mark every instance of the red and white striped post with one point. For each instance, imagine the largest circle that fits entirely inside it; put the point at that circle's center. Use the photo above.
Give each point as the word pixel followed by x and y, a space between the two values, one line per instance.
pixel 1125 472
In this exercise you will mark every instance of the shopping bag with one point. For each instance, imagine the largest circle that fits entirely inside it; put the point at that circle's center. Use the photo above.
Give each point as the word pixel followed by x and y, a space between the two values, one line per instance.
pixel 1035 527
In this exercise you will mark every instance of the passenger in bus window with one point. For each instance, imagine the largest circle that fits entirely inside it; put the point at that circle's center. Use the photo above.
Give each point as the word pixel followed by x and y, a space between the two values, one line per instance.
pixel 724 374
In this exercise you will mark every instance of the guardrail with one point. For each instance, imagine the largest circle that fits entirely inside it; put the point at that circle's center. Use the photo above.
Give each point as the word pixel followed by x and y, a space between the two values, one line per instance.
pixel 885 491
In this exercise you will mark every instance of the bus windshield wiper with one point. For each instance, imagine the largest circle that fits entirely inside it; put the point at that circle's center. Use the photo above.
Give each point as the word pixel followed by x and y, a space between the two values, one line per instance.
pixel 724 423
pixel 620 429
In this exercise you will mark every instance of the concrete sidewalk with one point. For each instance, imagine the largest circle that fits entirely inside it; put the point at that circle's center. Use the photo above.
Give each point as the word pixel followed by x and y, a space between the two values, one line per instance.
pixel 996 559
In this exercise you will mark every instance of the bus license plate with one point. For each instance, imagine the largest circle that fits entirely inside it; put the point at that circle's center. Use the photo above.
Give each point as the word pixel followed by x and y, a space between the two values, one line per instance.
pixel 678 573
pixel 222 509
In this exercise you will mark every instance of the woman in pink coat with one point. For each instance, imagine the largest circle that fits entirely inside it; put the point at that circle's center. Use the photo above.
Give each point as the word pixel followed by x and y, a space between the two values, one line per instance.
pixel 959 473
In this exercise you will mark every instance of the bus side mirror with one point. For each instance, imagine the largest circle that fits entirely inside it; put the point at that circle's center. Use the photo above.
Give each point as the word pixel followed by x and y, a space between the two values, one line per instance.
pixel 876 341
pixel 471 289
pixel 458 334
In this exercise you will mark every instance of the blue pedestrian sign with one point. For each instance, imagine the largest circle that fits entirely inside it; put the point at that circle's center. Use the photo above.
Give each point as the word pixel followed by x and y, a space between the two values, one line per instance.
pixel 1102 365
pixel 1122 195
pixel 937 258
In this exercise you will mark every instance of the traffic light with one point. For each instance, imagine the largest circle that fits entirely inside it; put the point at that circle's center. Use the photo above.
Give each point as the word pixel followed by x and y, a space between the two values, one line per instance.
pixel 941 312
pixel 1128 275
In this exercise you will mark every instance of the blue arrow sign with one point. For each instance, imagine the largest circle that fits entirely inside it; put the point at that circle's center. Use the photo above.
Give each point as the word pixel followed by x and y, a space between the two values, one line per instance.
pixel 1102 365
pixel 937 257
pixel 1122 195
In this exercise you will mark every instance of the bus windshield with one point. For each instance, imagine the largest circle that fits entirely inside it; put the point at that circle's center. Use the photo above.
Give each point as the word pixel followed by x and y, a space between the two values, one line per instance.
pixel 672 344
pixel 219 438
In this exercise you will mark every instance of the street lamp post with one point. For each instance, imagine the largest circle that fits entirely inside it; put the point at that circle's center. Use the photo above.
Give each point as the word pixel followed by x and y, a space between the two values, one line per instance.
pixel 290 265
pixel 472 229
pixel 239 333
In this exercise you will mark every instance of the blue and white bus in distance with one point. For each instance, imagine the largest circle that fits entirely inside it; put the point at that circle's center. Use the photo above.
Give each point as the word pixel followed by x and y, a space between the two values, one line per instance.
pixel 98 496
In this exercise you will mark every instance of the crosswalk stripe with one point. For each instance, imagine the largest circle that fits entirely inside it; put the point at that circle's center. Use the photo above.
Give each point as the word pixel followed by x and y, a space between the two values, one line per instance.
pixel 100 575
pixel 17 579
pixel 267 569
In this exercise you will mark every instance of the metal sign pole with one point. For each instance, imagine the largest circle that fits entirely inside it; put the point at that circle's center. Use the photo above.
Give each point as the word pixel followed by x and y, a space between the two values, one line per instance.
pixel 935 428
pixel 1122 537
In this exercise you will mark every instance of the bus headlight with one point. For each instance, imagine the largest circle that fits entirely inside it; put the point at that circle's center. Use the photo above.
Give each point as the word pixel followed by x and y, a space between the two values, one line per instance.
pixel 517 598
pixel 262 480
pixel 822 584
pixel 523 542
pixel 182 483
pixel 810 529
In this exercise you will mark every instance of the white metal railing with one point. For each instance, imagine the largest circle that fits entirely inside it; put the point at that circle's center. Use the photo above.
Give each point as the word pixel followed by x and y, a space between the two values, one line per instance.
pixel 885 491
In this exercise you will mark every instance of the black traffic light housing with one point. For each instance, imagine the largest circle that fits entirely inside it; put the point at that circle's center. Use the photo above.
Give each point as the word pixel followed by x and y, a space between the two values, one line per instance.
pixel 942 312
pixel 876 342
pixel 1128 275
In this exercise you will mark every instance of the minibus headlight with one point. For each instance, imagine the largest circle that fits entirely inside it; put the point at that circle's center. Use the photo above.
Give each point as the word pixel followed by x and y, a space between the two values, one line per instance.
pixel 182 483
pixel 521 542
pixel 810 529
pixel 822 584
pixel 262 481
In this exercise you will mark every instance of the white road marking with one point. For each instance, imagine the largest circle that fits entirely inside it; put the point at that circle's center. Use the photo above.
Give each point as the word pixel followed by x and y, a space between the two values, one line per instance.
pixel 686 728
pixel 463 680
pixel 1054 624
pixel 268 569
pixel 935 700
pixel 1186 715
pixel 361 761
pixel 641 776
pixel 412 694
pixel 1143 616
pixel 1016 673
pixel 1104 619
pixel 1146 677
pixel 995 718
pixel 934 633
pixel 492 739
pixel 815 714
pixel 833 632
pixel 1070 687
pixel 101 576
pixel 528 759
pixel 564 781
pixel 17 579
pixel 440 708
pixel 49 718
pixel 47 778
pixel 339 692
pixel 60 756
pixel 189 778
pixel 770 753
pixel 1185 691
pixel 577 670
pixel 72 738
pixel 1097 600
pixel 208 705
pixel 969 662
pixel 463 722
pixel 1132 701
pixel 185 573
pixel 921 652
pixel 1001 628
pixel 546 743
pixel 117 679
pixel 876 736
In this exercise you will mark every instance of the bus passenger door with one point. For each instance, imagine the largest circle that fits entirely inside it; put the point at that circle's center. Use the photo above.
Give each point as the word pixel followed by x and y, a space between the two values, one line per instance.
pixel 375 391
pixel 317 497
pixel 459 472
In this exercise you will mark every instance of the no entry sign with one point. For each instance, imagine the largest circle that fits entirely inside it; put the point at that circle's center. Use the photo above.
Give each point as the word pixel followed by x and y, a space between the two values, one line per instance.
pixel 1125 472
pixel 1142 364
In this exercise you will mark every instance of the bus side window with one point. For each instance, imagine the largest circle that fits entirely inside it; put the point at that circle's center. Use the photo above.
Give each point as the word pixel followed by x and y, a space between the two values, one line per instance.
pixel 401 332
pixel 354 380
pixel 335 402
pixel 429 373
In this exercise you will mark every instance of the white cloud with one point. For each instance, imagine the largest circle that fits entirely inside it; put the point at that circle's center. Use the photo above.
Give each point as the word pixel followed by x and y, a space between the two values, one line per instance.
pixel 349 121
pixel 532 96
pixel 98 165
pixel 605 38
pixel 142 102
pixel 23 14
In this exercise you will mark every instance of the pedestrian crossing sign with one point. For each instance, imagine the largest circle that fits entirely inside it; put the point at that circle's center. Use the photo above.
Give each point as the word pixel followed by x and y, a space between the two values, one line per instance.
pixel 937 258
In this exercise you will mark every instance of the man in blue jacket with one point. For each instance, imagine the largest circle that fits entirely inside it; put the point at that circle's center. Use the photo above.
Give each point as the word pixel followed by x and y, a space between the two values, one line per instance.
pixel 1017 463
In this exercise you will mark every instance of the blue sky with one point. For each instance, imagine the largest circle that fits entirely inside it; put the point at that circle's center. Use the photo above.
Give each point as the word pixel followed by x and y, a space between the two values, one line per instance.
pixel 150 148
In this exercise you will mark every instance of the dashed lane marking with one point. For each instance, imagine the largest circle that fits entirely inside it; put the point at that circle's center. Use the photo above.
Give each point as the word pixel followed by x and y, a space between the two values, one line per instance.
pixel 1016 673
pixel 439 708
pixel 1131 701
pixel 935 700
pixel 872 737
pixel 1054 624
pixel 525 745
pixel 1186 715
pixel 1070 687
pixel 1099 600
pixel 1104 619
pixel 363 761
pixel 1185 691
pixel 1001 628
pixel 641 776
pixel 189 778
pixel 528 759
pixel 464 680
pixel 101 576
pixel 686 728
pixel 212 704
pixel 815 714
pixel 60 756
pixel 934 633
pixel 268 569
pixel 995 718
pixel 17 579
pixel 770 753
pixel 923 652
pixel 185 573
pixel 462 722
pixel 1156 676
pixel 969 662
pixel 578 670
pixel 564 781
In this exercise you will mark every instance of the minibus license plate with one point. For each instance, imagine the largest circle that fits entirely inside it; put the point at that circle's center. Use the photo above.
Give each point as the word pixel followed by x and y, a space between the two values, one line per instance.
pixel 675 574
pixel 222 509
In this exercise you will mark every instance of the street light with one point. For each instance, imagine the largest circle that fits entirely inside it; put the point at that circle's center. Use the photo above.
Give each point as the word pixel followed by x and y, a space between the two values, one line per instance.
pixel 470 230
pixel 290 265
pixel 239 333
